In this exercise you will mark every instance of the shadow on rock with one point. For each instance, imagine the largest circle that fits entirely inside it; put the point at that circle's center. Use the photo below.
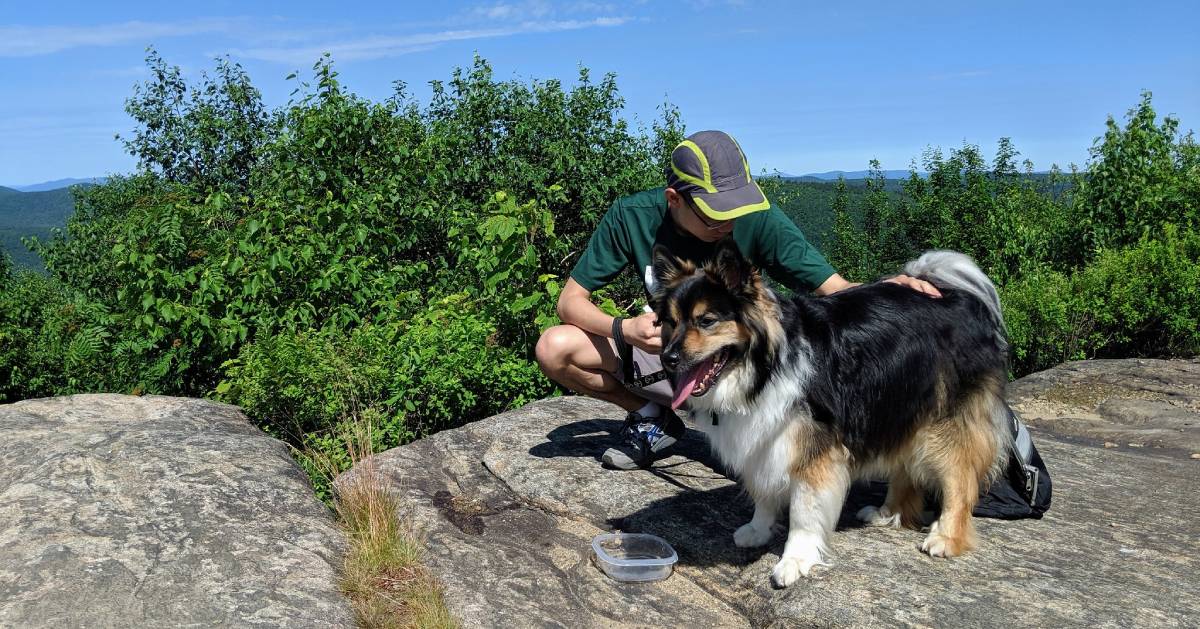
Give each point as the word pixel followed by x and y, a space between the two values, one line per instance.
pixel 591 437
pixel 700 524
pixel 697 518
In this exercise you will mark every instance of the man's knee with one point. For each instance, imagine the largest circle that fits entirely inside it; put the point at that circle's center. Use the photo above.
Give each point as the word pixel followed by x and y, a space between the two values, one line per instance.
pixel 553 350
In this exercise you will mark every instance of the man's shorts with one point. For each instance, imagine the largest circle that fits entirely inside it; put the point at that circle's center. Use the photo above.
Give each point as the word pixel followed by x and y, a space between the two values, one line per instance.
pixel 642 373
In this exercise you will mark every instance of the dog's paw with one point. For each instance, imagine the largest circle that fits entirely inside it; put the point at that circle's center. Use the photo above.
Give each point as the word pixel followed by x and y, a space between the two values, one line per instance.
pixel 750 536
pixel 878 516
pixel 790 569
pixel 938 545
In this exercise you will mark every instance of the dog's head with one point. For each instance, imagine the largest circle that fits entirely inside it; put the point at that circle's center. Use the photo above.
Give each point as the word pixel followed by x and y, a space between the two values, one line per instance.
pixel 717 319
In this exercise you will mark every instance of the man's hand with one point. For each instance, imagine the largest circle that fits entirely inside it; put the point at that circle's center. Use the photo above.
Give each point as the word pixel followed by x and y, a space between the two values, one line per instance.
pixel 921 286
pixel 644 332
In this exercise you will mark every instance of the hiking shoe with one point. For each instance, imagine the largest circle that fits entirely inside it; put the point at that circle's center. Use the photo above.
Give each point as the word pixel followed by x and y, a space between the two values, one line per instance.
pixel 643 440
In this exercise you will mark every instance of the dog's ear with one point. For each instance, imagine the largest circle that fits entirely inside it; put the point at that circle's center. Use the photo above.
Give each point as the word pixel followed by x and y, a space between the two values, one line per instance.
pixel 733 270
pixel 667 269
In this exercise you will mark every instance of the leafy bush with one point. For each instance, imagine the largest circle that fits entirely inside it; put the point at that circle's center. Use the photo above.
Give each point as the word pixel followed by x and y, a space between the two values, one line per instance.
pixel 208 136
pixel 335 258
pixel 1145 298
pixel 56 342
pixel 1142 300
pixel 440 368
pixel 1044 326
pixel 1143 175
pixel 1100 263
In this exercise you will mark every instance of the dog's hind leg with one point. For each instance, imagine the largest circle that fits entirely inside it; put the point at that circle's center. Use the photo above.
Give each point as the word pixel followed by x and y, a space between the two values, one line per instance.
pixel 818 491
pixel 953 533
pixel 961 455
pixel 901 508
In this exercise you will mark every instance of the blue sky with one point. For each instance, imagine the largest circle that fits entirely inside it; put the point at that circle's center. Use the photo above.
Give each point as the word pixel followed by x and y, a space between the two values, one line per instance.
pixel 804 87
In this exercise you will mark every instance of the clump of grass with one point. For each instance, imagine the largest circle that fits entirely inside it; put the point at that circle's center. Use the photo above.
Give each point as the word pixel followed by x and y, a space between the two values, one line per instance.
pixel 382 574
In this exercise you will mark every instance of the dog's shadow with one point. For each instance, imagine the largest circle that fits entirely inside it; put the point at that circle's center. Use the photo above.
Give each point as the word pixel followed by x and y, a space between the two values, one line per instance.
pixel 698 523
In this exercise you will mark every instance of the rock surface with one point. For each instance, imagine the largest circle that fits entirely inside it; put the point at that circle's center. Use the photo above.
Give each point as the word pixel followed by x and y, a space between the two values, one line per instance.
pixel 510 504
pixel 121 511
pixel 1133 403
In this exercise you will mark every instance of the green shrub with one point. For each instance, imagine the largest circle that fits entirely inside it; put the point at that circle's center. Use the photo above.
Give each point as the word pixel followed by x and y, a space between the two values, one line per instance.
pixel 1142 300
pixel 440 368
pixel 1145 298
pixel 341 211
pixel 1142 176
pixel 1100 263
pixel 1044 327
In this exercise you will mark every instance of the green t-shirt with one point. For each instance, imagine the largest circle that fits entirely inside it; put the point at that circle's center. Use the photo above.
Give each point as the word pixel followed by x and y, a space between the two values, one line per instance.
pixel 635 224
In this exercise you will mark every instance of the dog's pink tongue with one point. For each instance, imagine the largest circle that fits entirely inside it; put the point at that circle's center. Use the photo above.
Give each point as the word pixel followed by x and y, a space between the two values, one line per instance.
pixel 684 389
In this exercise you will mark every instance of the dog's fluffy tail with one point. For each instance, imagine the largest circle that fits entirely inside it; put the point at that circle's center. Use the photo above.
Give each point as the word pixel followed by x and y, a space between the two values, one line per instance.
pixel 950 268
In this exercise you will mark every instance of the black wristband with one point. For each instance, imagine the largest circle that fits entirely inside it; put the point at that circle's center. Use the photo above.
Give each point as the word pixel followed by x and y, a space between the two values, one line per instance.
pixel 617 333
pixel 624 351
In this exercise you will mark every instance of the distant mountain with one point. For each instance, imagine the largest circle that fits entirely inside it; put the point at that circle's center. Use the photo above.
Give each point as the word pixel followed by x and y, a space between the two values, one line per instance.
pixel 24 214
pixel 833 175
pixel 56 184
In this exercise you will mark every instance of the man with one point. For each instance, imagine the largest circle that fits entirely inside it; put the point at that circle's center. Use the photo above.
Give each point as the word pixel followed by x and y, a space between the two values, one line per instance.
pixel 709 195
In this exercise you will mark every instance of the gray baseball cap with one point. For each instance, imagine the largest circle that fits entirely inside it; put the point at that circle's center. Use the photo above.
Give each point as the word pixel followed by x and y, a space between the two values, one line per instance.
pixel 711 168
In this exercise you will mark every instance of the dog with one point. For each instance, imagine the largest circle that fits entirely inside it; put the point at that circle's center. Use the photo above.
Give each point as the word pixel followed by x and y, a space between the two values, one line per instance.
pixel 799 397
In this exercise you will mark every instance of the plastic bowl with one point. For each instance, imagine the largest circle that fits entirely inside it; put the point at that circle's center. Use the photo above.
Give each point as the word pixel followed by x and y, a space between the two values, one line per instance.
pixel 634 557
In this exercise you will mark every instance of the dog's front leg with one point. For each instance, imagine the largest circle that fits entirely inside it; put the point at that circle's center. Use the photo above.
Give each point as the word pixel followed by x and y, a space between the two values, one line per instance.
pixel 757 531
pixel 817 494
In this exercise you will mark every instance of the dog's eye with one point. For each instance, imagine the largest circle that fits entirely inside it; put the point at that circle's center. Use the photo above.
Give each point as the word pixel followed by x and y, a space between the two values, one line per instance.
pixel 707 321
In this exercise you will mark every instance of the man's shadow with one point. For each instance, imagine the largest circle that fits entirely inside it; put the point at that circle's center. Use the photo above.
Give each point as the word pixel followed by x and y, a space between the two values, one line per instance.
pixel 698 522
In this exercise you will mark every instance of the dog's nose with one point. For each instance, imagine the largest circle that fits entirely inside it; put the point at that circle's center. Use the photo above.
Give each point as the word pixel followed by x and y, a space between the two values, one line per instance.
pixel 670 358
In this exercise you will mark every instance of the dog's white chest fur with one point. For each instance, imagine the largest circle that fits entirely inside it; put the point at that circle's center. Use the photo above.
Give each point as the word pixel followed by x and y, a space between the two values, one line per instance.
pixel 754 448
pixel 756 441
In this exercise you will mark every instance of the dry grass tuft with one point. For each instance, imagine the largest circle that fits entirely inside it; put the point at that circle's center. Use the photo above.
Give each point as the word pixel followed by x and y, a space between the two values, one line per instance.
pixel 382 575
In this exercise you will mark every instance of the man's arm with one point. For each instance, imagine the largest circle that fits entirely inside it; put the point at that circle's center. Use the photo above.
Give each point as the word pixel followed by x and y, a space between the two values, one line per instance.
pixel 832 285
pixel 836 282
pixel 575 307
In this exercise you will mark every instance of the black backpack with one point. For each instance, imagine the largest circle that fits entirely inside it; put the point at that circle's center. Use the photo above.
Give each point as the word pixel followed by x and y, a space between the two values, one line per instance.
pixel 1024 490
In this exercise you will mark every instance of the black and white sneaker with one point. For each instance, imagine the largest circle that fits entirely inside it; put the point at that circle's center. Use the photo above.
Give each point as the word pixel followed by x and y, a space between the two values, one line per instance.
pixel 644 440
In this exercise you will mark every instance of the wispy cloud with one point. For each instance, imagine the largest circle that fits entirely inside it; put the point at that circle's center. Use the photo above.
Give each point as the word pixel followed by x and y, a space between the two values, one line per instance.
pixel 512 11
pixel 379 46
pixel 290 43
pixel 29 41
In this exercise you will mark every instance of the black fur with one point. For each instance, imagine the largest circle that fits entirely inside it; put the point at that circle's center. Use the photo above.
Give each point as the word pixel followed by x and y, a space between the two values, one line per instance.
pixel 879 351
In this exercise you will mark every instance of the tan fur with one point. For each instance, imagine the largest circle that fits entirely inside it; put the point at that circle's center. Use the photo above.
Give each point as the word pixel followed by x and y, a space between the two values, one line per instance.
pixel 816 452
pixel 767 312
pixel 822 469
pixel 954 455
pixel 702 342
pixel 697 342
pixel 954 449
pixel 682 270
pixel 675 312
pixel 906 499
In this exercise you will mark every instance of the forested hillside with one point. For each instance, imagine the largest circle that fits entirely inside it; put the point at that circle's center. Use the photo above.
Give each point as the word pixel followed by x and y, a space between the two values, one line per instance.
pixel 25 214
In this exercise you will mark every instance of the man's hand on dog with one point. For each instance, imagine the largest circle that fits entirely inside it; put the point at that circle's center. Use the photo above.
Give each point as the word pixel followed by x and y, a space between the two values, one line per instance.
pixel 643 331
pixel 921 286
